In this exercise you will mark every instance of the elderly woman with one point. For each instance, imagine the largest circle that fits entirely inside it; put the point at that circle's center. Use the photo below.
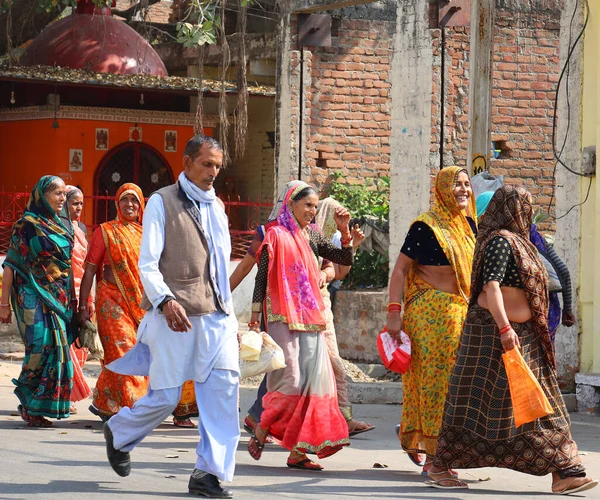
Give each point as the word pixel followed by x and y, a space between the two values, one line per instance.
pixel 508 309
pixel 37 279
pixel 325 223
pixel 300 408
pixel 433 272
pixel 81 389
pixel 113 257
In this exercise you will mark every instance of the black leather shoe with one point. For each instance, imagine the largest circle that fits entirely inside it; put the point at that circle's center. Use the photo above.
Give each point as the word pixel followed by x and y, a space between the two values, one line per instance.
pixel 119 460
pixel 206 485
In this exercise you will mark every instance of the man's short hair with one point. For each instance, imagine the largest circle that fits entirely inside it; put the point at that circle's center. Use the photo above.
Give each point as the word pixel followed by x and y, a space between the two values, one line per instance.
pixel 195 144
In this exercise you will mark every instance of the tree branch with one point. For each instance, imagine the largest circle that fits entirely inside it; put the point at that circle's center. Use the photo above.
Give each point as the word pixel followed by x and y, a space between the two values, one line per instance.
pixel 132 11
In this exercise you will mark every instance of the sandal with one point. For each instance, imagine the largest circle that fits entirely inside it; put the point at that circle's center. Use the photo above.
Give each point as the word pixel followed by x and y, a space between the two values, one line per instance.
pixel 427 466
pixel 186 422
pixel 39 422
pixel 304 463
pixel 255 447
pixel 360 427
pixel 73 409
pixel 445 483
pixel 414 459
pixel 249 427
pixel 574 485
pixel 23 412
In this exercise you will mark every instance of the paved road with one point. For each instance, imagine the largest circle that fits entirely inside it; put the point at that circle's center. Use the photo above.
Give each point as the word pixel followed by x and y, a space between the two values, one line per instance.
pixel 69 461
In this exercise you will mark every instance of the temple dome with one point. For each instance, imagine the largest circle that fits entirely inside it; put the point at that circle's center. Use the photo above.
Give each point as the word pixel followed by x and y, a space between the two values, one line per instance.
pixel 97 43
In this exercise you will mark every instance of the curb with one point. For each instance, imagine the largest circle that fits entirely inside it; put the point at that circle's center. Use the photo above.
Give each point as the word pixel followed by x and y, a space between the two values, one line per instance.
pixel 386 393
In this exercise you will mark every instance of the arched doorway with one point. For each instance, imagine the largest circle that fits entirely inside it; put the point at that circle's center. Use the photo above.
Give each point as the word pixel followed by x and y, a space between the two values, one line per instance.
pixel 129 162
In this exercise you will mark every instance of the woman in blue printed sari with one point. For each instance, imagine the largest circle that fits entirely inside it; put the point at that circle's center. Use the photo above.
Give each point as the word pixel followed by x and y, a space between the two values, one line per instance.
pixel 37 281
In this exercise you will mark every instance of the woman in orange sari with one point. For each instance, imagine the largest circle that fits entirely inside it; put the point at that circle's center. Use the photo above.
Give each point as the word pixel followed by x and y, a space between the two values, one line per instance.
pixel 80 390
pixel 113 257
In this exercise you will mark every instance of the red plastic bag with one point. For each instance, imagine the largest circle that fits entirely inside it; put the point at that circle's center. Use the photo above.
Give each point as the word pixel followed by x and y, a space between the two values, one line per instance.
pixel 395 355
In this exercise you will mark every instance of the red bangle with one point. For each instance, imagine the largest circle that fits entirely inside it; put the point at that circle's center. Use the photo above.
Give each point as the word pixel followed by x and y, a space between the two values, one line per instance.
pixel 253 323
pixel 505 329
pixel 394 307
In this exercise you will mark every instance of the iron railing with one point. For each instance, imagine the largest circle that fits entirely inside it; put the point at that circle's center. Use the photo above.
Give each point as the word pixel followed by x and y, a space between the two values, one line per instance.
pixel 244 217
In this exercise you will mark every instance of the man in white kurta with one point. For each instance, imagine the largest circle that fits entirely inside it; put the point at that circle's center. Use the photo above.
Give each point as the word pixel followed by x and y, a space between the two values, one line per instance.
pixel 174 346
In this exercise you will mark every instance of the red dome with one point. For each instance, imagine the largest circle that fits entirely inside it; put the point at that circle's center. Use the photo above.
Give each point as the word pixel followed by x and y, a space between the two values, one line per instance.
pixel 97 43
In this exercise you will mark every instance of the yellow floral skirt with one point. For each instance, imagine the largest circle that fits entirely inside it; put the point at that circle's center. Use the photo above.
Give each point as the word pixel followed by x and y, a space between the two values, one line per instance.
pixel 433 320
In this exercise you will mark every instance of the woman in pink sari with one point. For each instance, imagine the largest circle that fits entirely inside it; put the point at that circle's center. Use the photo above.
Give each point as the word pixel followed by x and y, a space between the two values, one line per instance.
pixel 81 389
pixel 300 408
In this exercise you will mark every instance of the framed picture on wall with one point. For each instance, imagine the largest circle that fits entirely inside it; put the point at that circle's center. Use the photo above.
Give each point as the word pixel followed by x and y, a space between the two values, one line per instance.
pixel 101 139
pixel 171 141
pixel 75 160
pixel 135 134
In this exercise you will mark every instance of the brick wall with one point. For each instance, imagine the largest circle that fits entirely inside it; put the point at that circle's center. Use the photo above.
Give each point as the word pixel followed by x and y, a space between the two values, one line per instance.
pixel 347 109
pixel 157 13
pixel 526 69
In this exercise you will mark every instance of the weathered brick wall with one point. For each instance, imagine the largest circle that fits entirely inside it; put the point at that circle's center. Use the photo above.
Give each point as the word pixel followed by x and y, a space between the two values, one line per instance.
pixel 347 109
pixel 526 70
pixel 157 13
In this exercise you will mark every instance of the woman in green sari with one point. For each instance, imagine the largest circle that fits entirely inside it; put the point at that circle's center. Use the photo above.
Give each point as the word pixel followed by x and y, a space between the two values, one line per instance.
pixel 37 281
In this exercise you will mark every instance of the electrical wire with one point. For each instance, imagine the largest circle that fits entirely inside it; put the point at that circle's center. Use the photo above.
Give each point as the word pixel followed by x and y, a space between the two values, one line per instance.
pixel 566 69
pixel 578 204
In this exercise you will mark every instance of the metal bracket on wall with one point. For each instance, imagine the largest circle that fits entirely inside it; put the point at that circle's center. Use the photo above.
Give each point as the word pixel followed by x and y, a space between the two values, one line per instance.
pixel 588 160
pixel 454 13
pixel 314 30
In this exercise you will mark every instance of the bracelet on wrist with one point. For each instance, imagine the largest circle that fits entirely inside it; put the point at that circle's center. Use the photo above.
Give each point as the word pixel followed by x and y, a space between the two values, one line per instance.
pixel 5 305
pixel 394 307
pixel 505 329
pixel 253 323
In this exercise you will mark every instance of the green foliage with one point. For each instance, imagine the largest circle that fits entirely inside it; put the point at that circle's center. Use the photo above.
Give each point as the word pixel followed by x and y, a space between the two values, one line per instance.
pixel 371 198
pixel 370 270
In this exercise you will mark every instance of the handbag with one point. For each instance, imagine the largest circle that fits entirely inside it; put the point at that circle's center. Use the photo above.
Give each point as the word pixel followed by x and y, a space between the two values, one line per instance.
pixel 89 338
pixel 395 355
pixel 528 398
pixel 271 358
pixel 553 281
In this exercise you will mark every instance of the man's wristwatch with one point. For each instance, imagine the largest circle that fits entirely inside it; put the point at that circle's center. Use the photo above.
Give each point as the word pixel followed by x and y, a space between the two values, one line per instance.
pixel 162 304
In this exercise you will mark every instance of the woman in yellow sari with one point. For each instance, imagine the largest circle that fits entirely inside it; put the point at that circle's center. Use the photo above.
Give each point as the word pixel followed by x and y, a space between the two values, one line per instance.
pixel 433 272
pixel 113 257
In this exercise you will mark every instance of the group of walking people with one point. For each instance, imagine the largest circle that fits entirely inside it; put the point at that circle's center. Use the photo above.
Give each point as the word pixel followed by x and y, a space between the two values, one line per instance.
pixel 470 289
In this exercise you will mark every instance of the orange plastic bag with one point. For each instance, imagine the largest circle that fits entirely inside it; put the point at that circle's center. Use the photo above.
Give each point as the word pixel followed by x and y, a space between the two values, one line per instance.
pixel 528 398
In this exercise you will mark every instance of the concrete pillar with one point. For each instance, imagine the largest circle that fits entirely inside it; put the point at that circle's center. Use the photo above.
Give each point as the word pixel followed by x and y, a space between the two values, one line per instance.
pixel 568 187
pixel 412 65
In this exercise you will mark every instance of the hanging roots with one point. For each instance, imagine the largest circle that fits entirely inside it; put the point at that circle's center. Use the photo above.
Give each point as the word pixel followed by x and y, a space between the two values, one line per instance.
pixel 241 111
pixel 223 118
pixel 199 121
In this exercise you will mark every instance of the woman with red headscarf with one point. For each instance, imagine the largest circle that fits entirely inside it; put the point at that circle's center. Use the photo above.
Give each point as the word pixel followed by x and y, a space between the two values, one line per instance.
pixel 113 258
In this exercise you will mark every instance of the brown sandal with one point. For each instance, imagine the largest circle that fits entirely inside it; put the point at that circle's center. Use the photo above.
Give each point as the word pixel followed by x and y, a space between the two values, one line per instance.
pixel 39 421
pixel 23 412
